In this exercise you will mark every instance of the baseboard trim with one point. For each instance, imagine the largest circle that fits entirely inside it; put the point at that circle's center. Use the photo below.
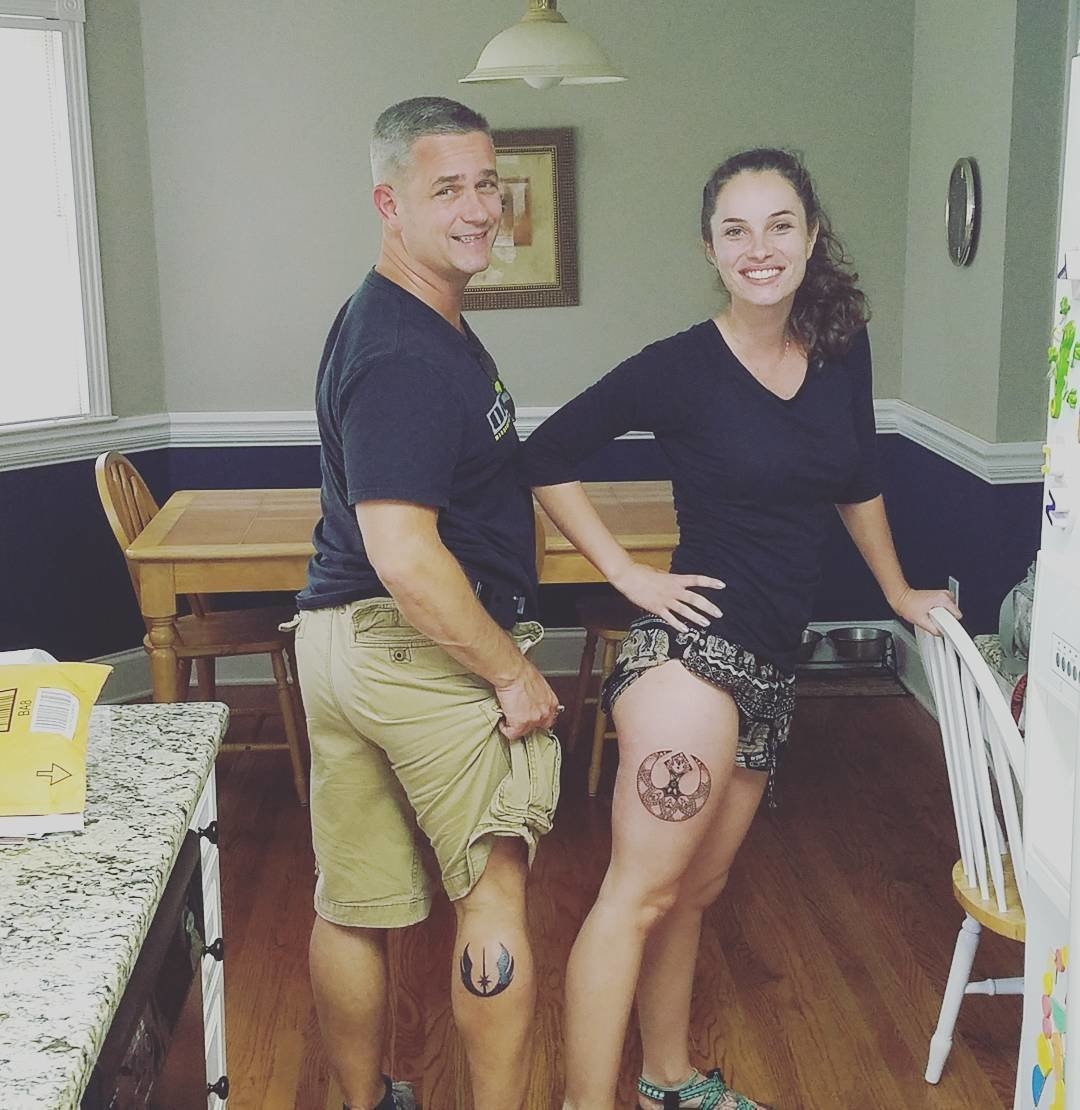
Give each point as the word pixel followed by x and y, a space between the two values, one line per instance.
pixel 909 667
pixel 130 678
pixel 558 654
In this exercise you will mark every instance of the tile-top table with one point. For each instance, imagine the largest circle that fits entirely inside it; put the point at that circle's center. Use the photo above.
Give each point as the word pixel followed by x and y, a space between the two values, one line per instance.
pixel 228 541
pixel 77 907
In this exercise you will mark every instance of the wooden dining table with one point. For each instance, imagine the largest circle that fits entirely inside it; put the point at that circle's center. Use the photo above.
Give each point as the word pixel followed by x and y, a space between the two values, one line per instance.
pixel 259 540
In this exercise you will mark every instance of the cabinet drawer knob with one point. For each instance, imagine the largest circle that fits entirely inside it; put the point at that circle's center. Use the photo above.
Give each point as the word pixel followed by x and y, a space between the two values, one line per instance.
pixel 217 949
pixel 210 832
pixel 220 1088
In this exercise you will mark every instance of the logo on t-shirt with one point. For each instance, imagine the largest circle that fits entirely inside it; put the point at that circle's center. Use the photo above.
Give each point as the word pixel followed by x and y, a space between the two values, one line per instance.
pixel 500 416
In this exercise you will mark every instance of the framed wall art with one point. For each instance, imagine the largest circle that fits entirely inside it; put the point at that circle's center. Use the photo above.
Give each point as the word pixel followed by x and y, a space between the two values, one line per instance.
pixel 534 258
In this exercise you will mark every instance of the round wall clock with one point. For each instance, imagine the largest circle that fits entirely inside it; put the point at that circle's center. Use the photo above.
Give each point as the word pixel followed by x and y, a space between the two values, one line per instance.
pixel 962 212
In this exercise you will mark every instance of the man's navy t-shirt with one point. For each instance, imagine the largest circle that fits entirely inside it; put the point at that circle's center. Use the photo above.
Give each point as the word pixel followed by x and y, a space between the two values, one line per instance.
pixel 411 409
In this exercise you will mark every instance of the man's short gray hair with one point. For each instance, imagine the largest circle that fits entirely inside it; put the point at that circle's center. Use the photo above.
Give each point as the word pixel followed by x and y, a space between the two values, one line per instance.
pixel 402 124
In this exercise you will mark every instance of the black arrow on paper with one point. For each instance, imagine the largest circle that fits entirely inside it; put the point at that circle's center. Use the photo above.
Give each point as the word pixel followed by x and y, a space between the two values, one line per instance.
pixel 54 774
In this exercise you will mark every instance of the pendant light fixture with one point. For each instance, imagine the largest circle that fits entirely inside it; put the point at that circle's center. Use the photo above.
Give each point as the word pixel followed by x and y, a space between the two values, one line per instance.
pixel 542 50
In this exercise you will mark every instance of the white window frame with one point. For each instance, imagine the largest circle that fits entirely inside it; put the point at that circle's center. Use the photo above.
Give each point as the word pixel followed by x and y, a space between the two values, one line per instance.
pixel 68 17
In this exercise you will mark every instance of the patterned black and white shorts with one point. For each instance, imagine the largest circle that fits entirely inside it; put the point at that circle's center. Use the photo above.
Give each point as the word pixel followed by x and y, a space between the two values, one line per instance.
pixel 764 694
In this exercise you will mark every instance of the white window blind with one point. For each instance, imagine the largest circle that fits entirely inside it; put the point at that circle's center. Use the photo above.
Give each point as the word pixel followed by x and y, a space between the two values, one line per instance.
pixel 52 358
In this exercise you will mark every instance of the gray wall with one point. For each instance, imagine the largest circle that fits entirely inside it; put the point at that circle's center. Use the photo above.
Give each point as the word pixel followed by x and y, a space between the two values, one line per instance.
pixel 961 105
pixel 232 178
pixel 257 127
pixel 1038 108
pixel 988 83
pixel 129 267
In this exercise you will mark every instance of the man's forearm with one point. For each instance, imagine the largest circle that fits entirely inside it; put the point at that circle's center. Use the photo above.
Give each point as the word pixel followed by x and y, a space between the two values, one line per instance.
pixel 435 597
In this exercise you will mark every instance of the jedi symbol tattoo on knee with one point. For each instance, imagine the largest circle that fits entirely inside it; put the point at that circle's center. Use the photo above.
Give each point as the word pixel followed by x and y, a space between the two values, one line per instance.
pixel 484 987
pixel 667 799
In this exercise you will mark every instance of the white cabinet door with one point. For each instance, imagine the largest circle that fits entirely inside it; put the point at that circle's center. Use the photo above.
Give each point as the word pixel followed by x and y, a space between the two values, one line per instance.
pixel 204 822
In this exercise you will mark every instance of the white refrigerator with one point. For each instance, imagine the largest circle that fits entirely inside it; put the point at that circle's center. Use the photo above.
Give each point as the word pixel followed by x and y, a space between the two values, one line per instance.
pixel 1052 734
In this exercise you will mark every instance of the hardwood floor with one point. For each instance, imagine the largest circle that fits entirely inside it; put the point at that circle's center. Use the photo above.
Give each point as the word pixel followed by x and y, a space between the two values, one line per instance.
pixel 821 969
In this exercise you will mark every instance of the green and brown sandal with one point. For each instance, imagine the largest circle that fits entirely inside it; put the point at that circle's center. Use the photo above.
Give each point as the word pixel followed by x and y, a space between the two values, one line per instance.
pixel 699 1092
pixel 397 1096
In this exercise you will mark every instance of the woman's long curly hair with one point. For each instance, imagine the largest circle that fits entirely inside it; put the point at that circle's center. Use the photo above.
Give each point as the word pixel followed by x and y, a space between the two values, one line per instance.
pixel 829 307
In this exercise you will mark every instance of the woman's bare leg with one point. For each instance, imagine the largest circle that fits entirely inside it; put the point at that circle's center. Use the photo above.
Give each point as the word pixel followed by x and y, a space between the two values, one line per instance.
pixel 677 737
pixel 665 984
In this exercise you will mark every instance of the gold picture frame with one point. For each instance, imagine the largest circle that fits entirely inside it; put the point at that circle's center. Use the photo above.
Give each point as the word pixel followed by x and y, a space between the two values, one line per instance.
pixel 534 259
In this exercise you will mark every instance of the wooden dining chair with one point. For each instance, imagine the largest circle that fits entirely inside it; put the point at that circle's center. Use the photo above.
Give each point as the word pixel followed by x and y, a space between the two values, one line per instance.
pixel 988 879
pixel 207 634
pixel 606 621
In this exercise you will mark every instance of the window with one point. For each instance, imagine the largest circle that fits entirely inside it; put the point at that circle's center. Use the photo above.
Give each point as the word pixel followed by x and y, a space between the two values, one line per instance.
pixel 52 336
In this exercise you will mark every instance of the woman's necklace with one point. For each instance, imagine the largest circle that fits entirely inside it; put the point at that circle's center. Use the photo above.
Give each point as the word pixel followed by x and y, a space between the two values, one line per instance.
pixel 783 354
pixel 760 371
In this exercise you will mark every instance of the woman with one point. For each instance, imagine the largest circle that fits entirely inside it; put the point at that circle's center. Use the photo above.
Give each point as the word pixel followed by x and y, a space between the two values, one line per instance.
pixel 765 415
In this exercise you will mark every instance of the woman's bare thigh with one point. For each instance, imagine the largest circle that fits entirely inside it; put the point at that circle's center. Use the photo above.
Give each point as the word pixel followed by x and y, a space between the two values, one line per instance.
pixel 677 740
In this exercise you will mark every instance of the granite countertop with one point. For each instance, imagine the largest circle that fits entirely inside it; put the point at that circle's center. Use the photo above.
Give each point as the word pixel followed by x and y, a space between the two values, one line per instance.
pixel 75 909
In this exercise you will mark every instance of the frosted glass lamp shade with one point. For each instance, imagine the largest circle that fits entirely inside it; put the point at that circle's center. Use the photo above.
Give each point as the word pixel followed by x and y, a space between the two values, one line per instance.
pixel 542 49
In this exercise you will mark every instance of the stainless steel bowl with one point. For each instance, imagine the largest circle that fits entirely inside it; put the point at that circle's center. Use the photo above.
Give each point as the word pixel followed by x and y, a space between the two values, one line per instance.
pixel 864 644
pixel 808 645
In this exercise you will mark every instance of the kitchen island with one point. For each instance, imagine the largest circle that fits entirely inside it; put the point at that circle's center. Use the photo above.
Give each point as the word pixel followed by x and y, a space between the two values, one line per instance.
pixel 77 908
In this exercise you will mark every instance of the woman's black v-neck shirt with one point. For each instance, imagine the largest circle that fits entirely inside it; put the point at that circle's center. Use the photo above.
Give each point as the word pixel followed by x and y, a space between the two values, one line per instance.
pixel 755 476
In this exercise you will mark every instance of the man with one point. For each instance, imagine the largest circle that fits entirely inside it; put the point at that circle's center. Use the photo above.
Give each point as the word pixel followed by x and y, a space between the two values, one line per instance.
pixel 427 722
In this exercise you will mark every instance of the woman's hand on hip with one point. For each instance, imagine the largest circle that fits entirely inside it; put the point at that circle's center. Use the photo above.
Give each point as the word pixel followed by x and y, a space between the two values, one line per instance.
pixel 915 605
pixel 670 596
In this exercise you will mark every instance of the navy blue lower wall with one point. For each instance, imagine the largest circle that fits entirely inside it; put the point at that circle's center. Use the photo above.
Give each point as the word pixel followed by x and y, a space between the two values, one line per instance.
pixel 243 467
pixel 947 521
pixel 64 587
pixel 63 583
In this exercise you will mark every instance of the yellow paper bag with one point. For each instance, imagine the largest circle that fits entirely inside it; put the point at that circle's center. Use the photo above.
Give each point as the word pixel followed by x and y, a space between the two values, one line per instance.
pixel 44 717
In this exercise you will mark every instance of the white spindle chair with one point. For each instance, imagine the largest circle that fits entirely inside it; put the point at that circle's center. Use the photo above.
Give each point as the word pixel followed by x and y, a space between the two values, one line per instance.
pixel 988 879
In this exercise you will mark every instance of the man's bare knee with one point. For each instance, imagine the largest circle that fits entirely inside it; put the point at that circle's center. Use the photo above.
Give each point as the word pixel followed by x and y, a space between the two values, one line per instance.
pixel 502 885
pixel 329 938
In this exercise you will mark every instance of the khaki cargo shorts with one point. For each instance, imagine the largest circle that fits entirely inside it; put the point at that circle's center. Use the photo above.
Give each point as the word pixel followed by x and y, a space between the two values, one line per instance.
pixel 405 748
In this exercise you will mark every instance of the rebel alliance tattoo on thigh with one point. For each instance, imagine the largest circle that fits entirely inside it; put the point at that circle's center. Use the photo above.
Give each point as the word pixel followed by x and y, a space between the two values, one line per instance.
pixel 484 987
pixel 667 799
